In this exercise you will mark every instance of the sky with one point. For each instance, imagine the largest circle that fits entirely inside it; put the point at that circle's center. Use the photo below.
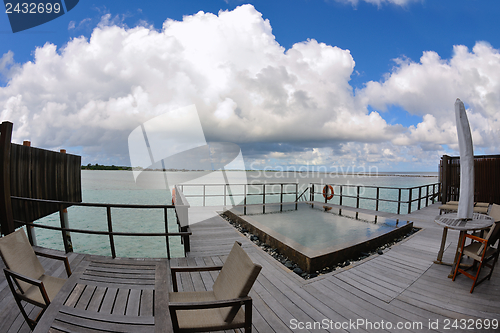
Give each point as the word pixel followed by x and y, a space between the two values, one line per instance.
pixel 319 84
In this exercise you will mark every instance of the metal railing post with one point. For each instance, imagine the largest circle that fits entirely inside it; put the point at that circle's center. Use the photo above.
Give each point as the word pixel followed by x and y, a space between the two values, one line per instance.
pixel 296 195
pixel 245 201
pixel 357 197
pixel 167 241
pixel 263 198
pixel 427 196
pixel 419 197
pixel 378 195
pixel 225 194
pixel 399 201
pixel 110 230
pixel 281 198
pixel 340 199
pixel 410 197
pixel 326 194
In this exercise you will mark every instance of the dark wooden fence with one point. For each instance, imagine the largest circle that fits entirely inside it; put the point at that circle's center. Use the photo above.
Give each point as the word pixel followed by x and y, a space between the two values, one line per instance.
pixel 34 173
pixel 487 178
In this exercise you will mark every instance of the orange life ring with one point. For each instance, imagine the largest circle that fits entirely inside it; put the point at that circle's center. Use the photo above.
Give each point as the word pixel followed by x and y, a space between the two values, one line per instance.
pixel 326 189
pixel 173 196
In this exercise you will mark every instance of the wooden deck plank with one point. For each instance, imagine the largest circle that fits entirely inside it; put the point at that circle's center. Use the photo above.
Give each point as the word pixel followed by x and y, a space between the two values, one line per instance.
pixel 422 288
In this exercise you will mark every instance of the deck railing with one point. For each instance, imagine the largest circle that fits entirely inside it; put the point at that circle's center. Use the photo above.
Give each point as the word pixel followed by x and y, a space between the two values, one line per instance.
pixel 279 193
pixel 243 195
pixel 419 195
pixel 357 196
pixel 65 231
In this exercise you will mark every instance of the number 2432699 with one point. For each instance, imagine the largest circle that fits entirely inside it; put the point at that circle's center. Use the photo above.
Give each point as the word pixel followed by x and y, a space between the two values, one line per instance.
pixel 32 8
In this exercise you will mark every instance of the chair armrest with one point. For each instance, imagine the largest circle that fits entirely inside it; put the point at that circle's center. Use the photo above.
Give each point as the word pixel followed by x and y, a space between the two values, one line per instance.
pixel 209 304
pixel 175 270
pixel 243 301
pixel 478 239
pixel 57 257
pixel 482 249
pixel 11 275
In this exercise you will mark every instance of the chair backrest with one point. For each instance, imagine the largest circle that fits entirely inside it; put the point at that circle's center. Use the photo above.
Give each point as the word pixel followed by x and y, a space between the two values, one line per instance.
pixel 18 256
pixel 235 279
pixel 494 232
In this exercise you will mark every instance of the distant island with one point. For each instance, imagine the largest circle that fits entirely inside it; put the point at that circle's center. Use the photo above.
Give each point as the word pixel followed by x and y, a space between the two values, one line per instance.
pixel 104 167
pixel 126 168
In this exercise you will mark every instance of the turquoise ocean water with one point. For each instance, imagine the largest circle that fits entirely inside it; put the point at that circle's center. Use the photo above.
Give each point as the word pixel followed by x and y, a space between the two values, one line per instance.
pixel 150 188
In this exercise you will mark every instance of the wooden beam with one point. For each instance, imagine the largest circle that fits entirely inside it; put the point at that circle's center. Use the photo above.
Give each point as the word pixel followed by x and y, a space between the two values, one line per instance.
pixel 6 218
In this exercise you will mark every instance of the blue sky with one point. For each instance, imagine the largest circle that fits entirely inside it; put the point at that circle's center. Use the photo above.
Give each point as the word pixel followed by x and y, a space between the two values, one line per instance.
pixel 337 83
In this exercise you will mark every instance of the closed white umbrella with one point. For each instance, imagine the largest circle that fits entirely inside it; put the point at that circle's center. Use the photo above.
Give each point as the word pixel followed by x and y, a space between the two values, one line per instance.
pixel 466 200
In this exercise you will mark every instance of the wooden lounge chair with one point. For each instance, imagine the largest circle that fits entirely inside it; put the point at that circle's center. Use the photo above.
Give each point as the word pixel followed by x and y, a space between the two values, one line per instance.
pixel 222 307
pixel 481 250
pixel 26 276
pixel 452 206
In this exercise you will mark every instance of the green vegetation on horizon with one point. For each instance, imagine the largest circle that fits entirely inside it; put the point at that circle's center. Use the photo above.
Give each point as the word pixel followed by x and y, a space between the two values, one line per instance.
pixel 104 167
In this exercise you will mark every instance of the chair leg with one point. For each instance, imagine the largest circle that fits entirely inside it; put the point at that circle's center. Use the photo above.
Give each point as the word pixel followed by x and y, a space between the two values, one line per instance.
pixel 457 265
pixel 31 323
pixel 248 316
pixel 493 264
pixel 475 277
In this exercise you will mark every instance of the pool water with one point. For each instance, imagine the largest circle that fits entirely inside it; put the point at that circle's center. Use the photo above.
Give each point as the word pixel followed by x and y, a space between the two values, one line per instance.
pixel 318 229
pixel 315 238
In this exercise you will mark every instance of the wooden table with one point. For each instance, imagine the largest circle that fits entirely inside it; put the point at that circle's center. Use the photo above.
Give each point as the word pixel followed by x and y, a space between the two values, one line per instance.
pixel 104 294
pixel 450 221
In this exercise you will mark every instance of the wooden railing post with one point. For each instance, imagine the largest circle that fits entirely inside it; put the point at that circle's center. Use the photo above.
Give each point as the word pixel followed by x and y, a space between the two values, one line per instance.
pixel 68 244
pixel 30 230
pixel 63 218
pixel 445 176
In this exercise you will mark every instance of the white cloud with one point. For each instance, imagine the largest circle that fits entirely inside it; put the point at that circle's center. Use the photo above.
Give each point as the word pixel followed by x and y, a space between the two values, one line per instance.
pixel 430 87
pixel 247 88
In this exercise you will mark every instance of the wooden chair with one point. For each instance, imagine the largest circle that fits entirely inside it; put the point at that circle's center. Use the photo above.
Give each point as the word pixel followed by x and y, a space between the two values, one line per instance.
pixel 222 307
pixel 452 206
pixel 482 250
pixel 26 276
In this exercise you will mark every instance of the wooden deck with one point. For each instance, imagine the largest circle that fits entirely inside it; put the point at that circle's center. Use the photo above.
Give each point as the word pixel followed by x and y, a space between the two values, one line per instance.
pixel 400 286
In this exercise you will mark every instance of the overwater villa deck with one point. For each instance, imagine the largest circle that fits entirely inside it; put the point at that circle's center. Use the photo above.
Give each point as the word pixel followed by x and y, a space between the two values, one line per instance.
pixel 400 287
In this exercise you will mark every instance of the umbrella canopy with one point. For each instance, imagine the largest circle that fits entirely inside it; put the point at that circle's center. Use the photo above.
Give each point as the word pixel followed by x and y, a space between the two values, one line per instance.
pixel 466 200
